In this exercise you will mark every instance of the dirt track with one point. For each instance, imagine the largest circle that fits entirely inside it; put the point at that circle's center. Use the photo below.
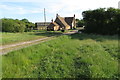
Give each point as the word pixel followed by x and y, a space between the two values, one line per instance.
pixel 7 48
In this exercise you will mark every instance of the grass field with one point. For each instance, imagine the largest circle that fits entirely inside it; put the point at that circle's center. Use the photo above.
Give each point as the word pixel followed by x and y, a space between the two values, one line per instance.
pixel 8 38
pixel 68 56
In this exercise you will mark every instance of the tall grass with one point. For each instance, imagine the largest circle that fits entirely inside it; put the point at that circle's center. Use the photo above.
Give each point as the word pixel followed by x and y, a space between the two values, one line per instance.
pixel 74 56
pixel 8 38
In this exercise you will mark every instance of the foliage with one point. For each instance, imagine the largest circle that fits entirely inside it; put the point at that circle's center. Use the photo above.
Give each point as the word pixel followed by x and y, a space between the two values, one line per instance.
pixel 80 23
pixel 68 56
pixel 25 20
pixel 11 25
pixel 29 25
pixel 102 21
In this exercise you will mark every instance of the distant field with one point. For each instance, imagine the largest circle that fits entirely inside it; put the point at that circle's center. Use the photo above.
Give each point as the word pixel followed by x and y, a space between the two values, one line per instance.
pixel 8 38
pixel 68 56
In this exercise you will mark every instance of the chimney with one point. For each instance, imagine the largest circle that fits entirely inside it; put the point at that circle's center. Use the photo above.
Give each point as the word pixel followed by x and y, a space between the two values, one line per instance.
pixel 56 15
pixel 52 20
pixel 74 15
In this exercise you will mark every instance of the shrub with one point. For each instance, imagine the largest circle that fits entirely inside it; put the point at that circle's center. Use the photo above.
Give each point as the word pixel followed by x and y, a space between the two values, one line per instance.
pixel 11 25
pixel 102 21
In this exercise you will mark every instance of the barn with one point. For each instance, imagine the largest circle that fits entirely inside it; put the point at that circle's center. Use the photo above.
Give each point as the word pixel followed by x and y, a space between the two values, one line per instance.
pixel 41 25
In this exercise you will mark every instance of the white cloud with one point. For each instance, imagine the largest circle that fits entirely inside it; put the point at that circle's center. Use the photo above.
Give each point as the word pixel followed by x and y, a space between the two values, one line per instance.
pixel 5 7
pixel 70 7
pixel 19 9
pixel 29 0
pixel 62 7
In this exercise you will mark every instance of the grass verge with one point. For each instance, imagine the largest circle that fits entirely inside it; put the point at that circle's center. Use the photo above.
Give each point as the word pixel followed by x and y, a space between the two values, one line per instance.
pixel 10 38
pixel 68 56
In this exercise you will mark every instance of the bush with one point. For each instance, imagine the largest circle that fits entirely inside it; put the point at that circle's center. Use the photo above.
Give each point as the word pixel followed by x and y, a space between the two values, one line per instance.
pixel 7 25
pixel 29 25
pixel 80 23
pixel 102 21
pixel 11 25
pixel 62 30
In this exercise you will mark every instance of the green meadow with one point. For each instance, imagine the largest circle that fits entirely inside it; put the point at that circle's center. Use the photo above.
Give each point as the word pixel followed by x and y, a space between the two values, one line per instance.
pixel 67 56
pixel 9 38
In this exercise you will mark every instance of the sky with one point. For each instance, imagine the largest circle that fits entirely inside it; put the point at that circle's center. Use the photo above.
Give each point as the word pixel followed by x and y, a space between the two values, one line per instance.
pixel 33 10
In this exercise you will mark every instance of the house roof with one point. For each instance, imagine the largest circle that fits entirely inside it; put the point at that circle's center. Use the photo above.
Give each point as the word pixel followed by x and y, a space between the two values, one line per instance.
pixel 54 23
pixel 62 19
pixel 69 20
pixel 42 22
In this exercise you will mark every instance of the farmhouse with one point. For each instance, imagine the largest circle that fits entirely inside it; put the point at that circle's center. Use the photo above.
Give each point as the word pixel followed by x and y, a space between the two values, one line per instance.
pixel 62 23
pixel 41 25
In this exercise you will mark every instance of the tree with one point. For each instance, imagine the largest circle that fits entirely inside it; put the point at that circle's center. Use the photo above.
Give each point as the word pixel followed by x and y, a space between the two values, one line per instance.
pixel 11 25
pixel 102 21
pixel 80 23
pixel 29 25
pixel 25 20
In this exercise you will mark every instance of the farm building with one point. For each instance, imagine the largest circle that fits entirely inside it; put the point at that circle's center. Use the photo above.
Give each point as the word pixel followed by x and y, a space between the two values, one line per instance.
pixel 41 25
pixel 62 23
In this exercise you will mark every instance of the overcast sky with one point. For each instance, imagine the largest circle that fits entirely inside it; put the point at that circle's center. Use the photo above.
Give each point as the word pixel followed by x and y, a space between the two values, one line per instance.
pixel 33 9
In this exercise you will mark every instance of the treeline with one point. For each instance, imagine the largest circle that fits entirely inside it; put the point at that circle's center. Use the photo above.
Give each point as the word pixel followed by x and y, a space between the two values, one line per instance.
pixel 80 23
pixel 102 21
pixel 15 25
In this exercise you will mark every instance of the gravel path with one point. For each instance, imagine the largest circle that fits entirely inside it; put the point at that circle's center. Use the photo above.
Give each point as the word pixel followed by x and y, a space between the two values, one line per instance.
pixel 7 48
pixel 21 43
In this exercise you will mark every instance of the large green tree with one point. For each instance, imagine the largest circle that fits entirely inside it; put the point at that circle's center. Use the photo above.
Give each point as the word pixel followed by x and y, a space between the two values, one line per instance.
pixel 29 25
pixel 102 21
pixel 11 25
